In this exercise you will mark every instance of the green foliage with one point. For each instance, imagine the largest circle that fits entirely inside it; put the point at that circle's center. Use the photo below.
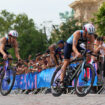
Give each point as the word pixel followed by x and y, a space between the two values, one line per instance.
pixel 67 28
pixel 31 41
pixel 6 21
pixel 100 20
pixel 66 16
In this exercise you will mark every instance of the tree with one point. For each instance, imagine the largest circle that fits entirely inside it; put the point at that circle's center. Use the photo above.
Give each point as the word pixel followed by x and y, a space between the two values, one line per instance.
pixel 100 20
pixel 67 15
pixel 6 22
pixel 65 29
pixel 31 41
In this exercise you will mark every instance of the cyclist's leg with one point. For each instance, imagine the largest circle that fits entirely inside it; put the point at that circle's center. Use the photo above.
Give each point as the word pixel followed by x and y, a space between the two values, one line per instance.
pixel 65 64
pixel 67 53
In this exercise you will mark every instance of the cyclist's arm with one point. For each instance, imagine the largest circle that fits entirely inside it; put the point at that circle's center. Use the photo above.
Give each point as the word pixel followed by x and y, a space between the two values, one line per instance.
pixel 103 47
pixel 2 46
pixel 16 50
pixel 75 41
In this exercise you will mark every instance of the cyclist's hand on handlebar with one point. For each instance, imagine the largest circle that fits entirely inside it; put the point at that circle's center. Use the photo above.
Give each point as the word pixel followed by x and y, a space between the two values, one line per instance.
pixel 78 55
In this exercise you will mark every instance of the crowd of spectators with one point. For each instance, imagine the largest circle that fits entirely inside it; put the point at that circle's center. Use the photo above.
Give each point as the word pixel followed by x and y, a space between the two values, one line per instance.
pixel 54 56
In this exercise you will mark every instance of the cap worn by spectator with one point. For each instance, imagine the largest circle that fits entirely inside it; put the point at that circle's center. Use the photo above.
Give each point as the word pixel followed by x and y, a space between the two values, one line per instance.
pixel 60 41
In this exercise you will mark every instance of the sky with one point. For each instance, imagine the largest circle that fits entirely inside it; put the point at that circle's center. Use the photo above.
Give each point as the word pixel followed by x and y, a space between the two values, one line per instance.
pixel 44 12
pixel 39 10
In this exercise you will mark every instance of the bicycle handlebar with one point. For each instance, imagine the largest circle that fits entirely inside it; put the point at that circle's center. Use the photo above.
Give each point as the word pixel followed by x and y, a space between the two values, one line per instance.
pixel 83 53
pixel 76 59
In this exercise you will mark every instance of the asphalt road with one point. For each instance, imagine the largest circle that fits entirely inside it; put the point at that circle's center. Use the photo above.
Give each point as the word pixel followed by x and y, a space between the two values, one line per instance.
pixel 48 99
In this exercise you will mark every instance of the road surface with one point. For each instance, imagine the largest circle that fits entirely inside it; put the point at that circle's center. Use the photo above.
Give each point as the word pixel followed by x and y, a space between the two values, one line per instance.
pixel 48 99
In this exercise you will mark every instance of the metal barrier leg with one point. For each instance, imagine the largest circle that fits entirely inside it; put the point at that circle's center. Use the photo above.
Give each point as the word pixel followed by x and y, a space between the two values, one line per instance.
pixel 72 91
pixel 102 90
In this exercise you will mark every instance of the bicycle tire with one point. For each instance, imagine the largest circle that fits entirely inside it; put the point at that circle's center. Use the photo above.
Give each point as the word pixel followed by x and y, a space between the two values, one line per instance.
pixel 54 93
pixel 82 94
pixel 12 84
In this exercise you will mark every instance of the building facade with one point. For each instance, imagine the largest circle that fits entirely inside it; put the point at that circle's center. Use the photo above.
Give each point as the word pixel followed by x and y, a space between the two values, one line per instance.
pixel 85 9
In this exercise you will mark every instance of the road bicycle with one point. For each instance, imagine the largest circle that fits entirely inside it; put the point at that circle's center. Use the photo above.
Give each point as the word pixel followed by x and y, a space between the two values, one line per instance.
pixel 83 75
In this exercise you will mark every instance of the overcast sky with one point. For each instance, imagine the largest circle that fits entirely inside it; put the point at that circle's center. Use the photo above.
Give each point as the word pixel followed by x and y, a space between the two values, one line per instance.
pixel 39 10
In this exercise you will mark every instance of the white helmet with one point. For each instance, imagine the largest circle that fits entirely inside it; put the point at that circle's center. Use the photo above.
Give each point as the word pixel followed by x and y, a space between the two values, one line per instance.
pixel 89 28
pixel 13 33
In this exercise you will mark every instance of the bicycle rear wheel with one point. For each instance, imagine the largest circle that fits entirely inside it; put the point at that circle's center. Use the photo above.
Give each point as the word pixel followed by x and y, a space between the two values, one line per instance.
pixel 7 81
pixel 84 80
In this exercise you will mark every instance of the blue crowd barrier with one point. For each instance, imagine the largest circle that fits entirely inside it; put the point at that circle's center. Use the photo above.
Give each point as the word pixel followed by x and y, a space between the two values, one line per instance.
pixel 41 79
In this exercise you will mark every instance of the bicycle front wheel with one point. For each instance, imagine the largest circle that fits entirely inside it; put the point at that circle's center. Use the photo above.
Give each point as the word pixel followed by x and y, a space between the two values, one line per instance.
pixel 84 80
pixel 7 81
pixel 55 83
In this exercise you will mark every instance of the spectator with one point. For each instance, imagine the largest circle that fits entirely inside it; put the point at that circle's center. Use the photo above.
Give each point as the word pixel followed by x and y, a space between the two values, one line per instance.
pixel 99 49
pixel 95 36
pixel 20 68
pixel 96 45
pixel 30 66
pixel 102 52
pixel 52 49
pixel 29 57
pixel 102 49
pixel 104 38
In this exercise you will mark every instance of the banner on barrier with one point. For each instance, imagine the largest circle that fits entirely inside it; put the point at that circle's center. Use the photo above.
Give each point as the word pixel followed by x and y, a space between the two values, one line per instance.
pixel 41 79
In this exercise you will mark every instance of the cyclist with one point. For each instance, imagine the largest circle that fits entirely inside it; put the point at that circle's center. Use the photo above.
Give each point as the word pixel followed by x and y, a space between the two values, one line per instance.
pixel 8 42
pixel 55 51
pixel 59 51
pixel 72 45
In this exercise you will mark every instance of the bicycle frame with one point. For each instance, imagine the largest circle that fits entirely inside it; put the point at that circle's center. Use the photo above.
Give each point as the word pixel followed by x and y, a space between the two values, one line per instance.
pixel 81 65
pixel 74 75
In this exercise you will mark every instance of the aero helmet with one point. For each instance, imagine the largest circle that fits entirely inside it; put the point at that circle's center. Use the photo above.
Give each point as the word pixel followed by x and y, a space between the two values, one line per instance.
pixel 89 28
pixel 13 33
